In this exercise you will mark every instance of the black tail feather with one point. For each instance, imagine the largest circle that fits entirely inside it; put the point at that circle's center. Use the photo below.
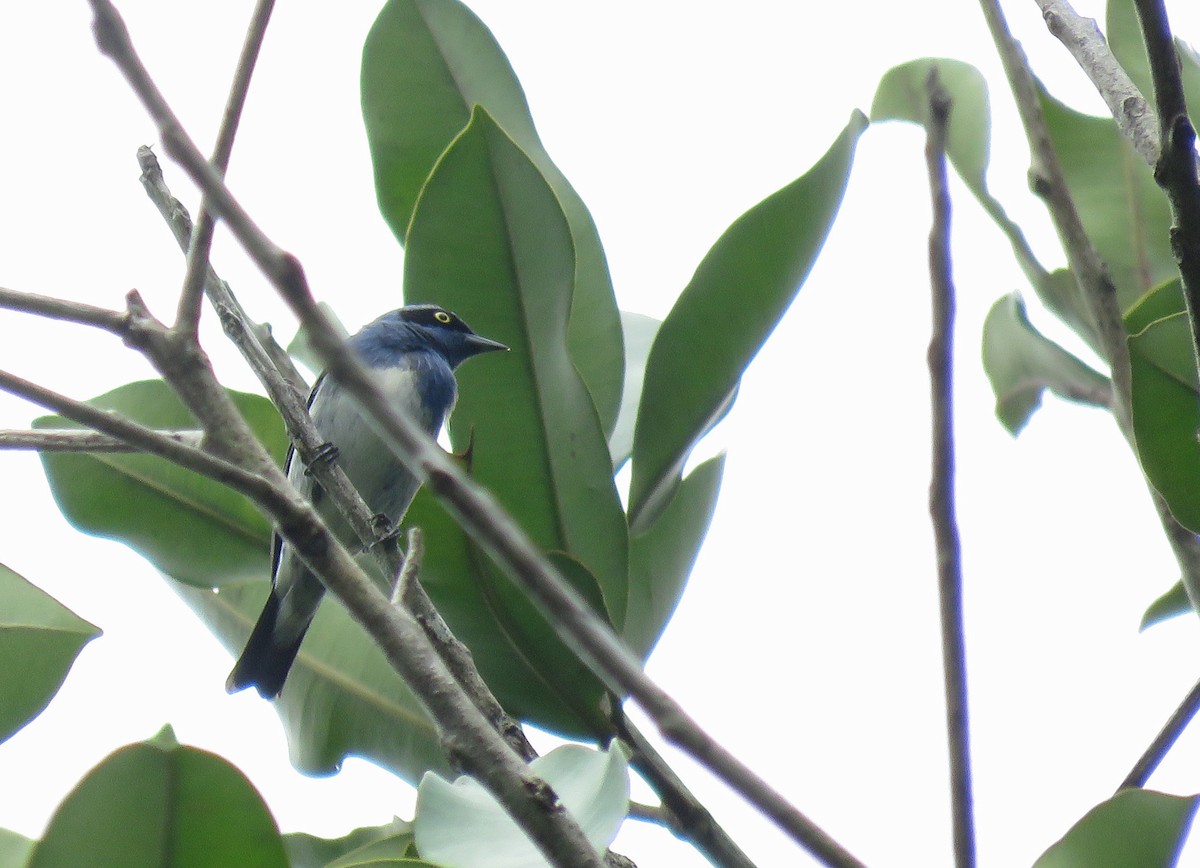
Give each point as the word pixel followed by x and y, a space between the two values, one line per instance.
pixel 264 665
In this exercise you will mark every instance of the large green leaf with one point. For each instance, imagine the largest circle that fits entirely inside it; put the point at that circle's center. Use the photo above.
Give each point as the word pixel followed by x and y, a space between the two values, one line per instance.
pixel 1166 399
pixel 426 65
pixel 1134 829
pixel 1123 211
pixel 661 558
pixel 733 302
pixel 903 95
pixel 489 240
pixel 192 528
pixel 1021 363
pixel 157 804
pixel 39 640
pixel 341 698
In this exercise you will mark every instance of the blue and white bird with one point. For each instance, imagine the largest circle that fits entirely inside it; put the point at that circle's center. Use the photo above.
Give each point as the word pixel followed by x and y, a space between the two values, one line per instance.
pixel 413 351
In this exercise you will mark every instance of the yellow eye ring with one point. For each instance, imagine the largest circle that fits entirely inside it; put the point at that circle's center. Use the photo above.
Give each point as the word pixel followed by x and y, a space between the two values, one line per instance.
pixel 442 317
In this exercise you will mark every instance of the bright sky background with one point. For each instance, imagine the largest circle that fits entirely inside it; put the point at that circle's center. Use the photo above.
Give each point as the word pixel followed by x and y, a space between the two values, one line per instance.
pixel 807 641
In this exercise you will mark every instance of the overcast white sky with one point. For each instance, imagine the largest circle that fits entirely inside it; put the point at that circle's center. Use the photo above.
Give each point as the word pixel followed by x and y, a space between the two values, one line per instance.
pixel 807 641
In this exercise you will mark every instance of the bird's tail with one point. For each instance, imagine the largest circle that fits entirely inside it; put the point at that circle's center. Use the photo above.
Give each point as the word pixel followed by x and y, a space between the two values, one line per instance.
pixel 264 663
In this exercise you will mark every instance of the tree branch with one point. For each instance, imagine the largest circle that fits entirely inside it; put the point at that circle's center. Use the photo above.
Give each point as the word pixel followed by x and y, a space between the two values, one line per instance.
pixel 75 440
pixel 1164 741
pixel 1082 37
pixel 188 312
pixel 941 489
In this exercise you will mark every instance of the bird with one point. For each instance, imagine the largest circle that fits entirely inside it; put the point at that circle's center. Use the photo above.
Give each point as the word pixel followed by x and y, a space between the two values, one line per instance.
pixel 414 352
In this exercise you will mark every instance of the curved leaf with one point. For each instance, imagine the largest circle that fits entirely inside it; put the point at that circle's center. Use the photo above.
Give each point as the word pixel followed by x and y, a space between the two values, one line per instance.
pixel 39 640
pixel 489 240
pixel 426 65
pixel 157 803
pixel 189 527
pixel 1021 363
pixel 1174 602
pixel 737 295
pixel 661 558
pixel 1134 829
pixel 461 824
pixel 1166 400
pixel 902 95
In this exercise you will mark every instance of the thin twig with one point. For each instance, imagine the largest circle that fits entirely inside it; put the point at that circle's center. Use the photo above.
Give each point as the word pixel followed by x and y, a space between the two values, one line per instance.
pixel 1164 741
pixel 138 436
pixel 188 312
pixel 410 593
pixel 61 309
pixel 586 634
pixel 941 489
pixel 1082 37
pixel 76 440
pixel 681 811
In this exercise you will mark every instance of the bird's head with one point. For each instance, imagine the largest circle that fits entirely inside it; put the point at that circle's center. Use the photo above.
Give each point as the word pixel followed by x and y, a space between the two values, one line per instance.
pixel 420 327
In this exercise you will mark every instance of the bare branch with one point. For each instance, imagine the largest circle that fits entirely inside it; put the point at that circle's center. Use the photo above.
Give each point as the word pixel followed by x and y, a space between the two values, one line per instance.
pixel 138 436
pixel 188 312
pixel 1082 37
pixel 76 440
pixel 1164 741
pixel 58 308
pixel 941 489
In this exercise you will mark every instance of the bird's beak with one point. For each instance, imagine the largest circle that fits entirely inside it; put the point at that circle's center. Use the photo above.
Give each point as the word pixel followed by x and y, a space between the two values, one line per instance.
pixel 480 344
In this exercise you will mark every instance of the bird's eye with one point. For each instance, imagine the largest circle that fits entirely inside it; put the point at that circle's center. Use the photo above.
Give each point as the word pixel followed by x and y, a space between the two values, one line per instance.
pixel 442 317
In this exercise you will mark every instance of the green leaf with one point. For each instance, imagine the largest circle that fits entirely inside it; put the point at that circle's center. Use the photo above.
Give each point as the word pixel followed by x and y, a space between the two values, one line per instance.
pixel 1021 363
pixel 15 849
pixel 308 851
pixel 1166 400
pixel 736 297
pixel 1134 829
pixel 426 65
pixel 460 824
pixel 533 674
pixel 157 803
pixel 640 332
pixel 1174 602
pixel 489 240
pixel 1123 211
pixel 39 640
pixel 902 95
pixel 192 528
pixel 661 558
pixel 341 698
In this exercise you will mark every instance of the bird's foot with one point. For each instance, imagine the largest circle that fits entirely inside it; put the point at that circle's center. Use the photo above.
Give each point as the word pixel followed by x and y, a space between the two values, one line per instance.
pixel 326 453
